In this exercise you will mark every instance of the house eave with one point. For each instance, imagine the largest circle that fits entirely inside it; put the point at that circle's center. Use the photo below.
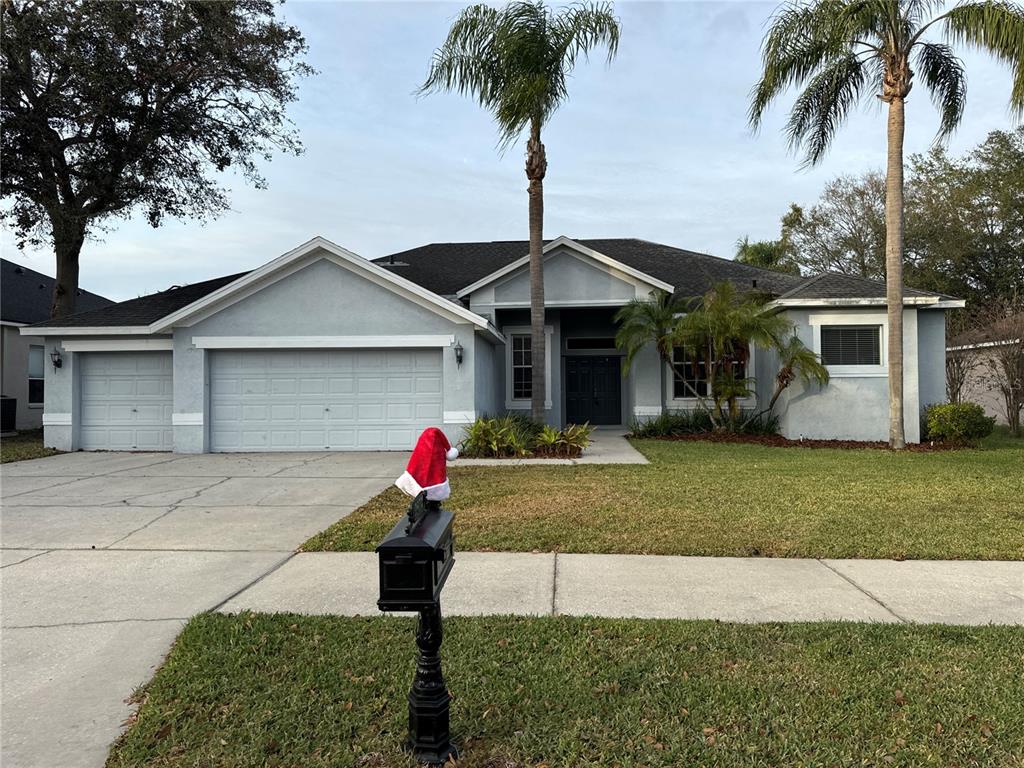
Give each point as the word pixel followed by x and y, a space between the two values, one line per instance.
pixel 92 330
pixel 930 302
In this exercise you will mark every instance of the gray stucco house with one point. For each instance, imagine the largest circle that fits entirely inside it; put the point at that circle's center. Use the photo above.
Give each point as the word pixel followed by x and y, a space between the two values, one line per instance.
pixel 321 349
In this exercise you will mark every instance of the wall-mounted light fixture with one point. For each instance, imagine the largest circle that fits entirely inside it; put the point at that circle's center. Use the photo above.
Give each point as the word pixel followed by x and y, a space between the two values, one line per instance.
pixel 458 353
pixel 56 359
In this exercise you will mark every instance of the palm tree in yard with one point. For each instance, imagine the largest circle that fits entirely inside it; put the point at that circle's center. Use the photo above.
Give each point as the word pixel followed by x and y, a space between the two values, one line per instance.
pixel 515 62
pixel 843 51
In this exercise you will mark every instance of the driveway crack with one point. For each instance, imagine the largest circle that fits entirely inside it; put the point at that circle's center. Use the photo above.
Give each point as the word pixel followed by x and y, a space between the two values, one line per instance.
pixel 173 508
pixel 867 593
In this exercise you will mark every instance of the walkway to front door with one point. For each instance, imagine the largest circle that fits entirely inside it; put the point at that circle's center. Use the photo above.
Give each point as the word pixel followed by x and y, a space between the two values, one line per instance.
pixel 593 388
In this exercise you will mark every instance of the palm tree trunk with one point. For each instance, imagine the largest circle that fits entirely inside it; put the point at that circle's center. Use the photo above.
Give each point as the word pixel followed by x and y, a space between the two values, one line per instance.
pixel 894 269
pixel 536 167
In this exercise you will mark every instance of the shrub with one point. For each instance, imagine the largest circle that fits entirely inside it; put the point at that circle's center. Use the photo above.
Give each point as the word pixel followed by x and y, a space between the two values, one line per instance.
pixel 517 436
pixel 698 422
pixel 958 423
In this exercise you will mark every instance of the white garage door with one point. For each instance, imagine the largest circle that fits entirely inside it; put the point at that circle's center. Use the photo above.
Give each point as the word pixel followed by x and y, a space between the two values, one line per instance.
pixel 127 399
pixel 314 400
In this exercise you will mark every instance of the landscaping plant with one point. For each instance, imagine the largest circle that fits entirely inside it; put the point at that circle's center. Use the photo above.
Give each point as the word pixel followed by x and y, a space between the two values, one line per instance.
pixel 958 423
pixel 515 436
pixel 717 332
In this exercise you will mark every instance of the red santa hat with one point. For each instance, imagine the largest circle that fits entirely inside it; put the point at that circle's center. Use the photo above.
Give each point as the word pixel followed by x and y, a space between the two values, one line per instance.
pixel 426 470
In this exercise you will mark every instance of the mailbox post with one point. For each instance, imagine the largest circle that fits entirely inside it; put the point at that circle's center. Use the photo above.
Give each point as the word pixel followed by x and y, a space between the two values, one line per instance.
pixel 415 559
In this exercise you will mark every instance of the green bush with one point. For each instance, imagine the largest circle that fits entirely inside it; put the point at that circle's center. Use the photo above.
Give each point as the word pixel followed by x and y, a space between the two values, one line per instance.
pixel 958 423
pixel 516 436
pixel 698 422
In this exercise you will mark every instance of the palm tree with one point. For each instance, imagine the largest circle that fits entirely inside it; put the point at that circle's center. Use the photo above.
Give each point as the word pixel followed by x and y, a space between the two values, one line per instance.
pixel 842 51
pixel 515 62
pixel 717 331
pixel 796 363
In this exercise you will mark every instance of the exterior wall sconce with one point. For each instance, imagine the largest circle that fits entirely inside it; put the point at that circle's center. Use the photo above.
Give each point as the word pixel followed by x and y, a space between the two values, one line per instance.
pixel 458 353
pixel 56 359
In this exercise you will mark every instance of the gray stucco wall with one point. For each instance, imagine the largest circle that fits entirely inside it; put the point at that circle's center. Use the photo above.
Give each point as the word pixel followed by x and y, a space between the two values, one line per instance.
pixel 931 356
pixel 487 361
pixel 518 321
pixel 850 407
pixel 566 279
pixel 14 374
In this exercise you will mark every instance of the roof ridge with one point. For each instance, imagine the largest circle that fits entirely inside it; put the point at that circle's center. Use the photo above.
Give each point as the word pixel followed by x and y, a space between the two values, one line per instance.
pixel 806 282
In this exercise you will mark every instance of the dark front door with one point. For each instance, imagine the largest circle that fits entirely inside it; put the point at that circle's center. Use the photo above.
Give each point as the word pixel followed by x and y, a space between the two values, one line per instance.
pixel 592 390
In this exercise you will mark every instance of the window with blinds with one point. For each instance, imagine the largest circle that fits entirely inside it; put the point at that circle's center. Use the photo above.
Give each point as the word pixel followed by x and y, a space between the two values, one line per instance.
pixel 851 344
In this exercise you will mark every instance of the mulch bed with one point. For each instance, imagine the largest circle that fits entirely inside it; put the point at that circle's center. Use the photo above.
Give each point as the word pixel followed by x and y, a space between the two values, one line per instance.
pixel 778 441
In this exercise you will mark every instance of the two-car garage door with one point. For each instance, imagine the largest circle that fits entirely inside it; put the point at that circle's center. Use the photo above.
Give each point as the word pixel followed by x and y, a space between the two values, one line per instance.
pixel 320 399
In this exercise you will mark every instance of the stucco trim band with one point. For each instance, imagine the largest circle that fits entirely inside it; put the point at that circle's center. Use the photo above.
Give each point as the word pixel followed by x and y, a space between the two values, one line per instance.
pixel 320 342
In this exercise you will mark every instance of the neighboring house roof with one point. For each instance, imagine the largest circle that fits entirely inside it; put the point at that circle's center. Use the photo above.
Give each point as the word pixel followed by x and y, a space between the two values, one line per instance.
pixel 447 268
pixel 26 295
pixel 145 309
pixel 997 334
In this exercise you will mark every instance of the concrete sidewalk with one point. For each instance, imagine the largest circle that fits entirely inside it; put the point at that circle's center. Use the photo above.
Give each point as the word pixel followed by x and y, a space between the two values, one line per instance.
pixel 641 586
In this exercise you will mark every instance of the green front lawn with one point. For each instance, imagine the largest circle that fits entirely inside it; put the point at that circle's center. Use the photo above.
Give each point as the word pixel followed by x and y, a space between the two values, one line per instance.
pixel 258 690
pixel 697 498
pixel 24 445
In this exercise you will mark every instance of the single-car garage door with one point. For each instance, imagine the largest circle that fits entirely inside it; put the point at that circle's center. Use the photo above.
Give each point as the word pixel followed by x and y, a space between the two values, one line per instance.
pixel 318 399
pixel 127 399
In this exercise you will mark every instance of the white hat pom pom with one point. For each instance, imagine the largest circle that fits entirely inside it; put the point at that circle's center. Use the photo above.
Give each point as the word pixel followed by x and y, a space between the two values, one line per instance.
pixel 452 454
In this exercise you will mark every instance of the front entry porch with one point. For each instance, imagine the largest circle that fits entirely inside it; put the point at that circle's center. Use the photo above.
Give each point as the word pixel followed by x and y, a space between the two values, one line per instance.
pixel 593 390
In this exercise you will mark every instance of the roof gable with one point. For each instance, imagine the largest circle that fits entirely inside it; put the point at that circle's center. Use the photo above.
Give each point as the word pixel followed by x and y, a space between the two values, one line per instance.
pixel 563 243
pixel 295 259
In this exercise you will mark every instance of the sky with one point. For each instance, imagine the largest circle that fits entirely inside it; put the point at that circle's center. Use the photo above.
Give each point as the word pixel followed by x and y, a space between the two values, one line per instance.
pixel 654 146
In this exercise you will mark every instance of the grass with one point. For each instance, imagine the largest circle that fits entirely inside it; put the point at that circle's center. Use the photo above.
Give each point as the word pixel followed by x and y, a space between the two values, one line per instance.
pixel 260 690
pixel 24 445
pixel 734 500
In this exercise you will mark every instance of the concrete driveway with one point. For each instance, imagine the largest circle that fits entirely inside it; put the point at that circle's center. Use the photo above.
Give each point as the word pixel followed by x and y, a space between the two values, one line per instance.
pixel 106 555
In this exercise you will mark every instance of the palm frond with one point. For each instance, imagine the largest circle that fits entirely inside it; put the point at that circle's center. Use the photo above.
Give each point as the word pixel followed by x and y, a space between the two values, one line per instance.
pixel 805 38
pixel 515 61
pixel 995 26
pixel 823 105
pixel 581 28
pixel 943 74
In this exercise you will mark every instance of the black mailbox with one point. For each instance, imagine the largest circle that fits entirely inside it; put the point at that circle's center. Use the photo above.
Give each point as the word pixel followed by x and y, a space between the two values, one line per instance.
pixel 416 558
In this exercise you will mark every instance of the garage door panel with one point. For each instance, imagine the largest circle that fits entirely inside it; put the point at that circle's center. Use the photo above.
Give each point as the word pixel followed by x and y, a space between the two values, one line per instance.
pixel 126 401
pixel 323 399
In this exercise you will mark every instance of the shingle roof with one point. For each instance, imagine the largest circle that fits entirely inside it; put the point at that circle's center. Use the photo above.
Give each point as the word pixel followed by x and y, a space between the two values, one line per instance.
pixel 446 268
pixel 26 295
pixel 145 309
pixel 835 285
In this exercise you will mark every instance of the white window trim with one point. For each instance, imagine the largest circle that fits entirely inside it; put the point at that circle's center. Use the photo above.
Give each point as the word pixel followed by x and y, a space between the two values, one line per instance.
pixel 525 330
pixel 691 402
pixel 853 371
pixel 29 378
